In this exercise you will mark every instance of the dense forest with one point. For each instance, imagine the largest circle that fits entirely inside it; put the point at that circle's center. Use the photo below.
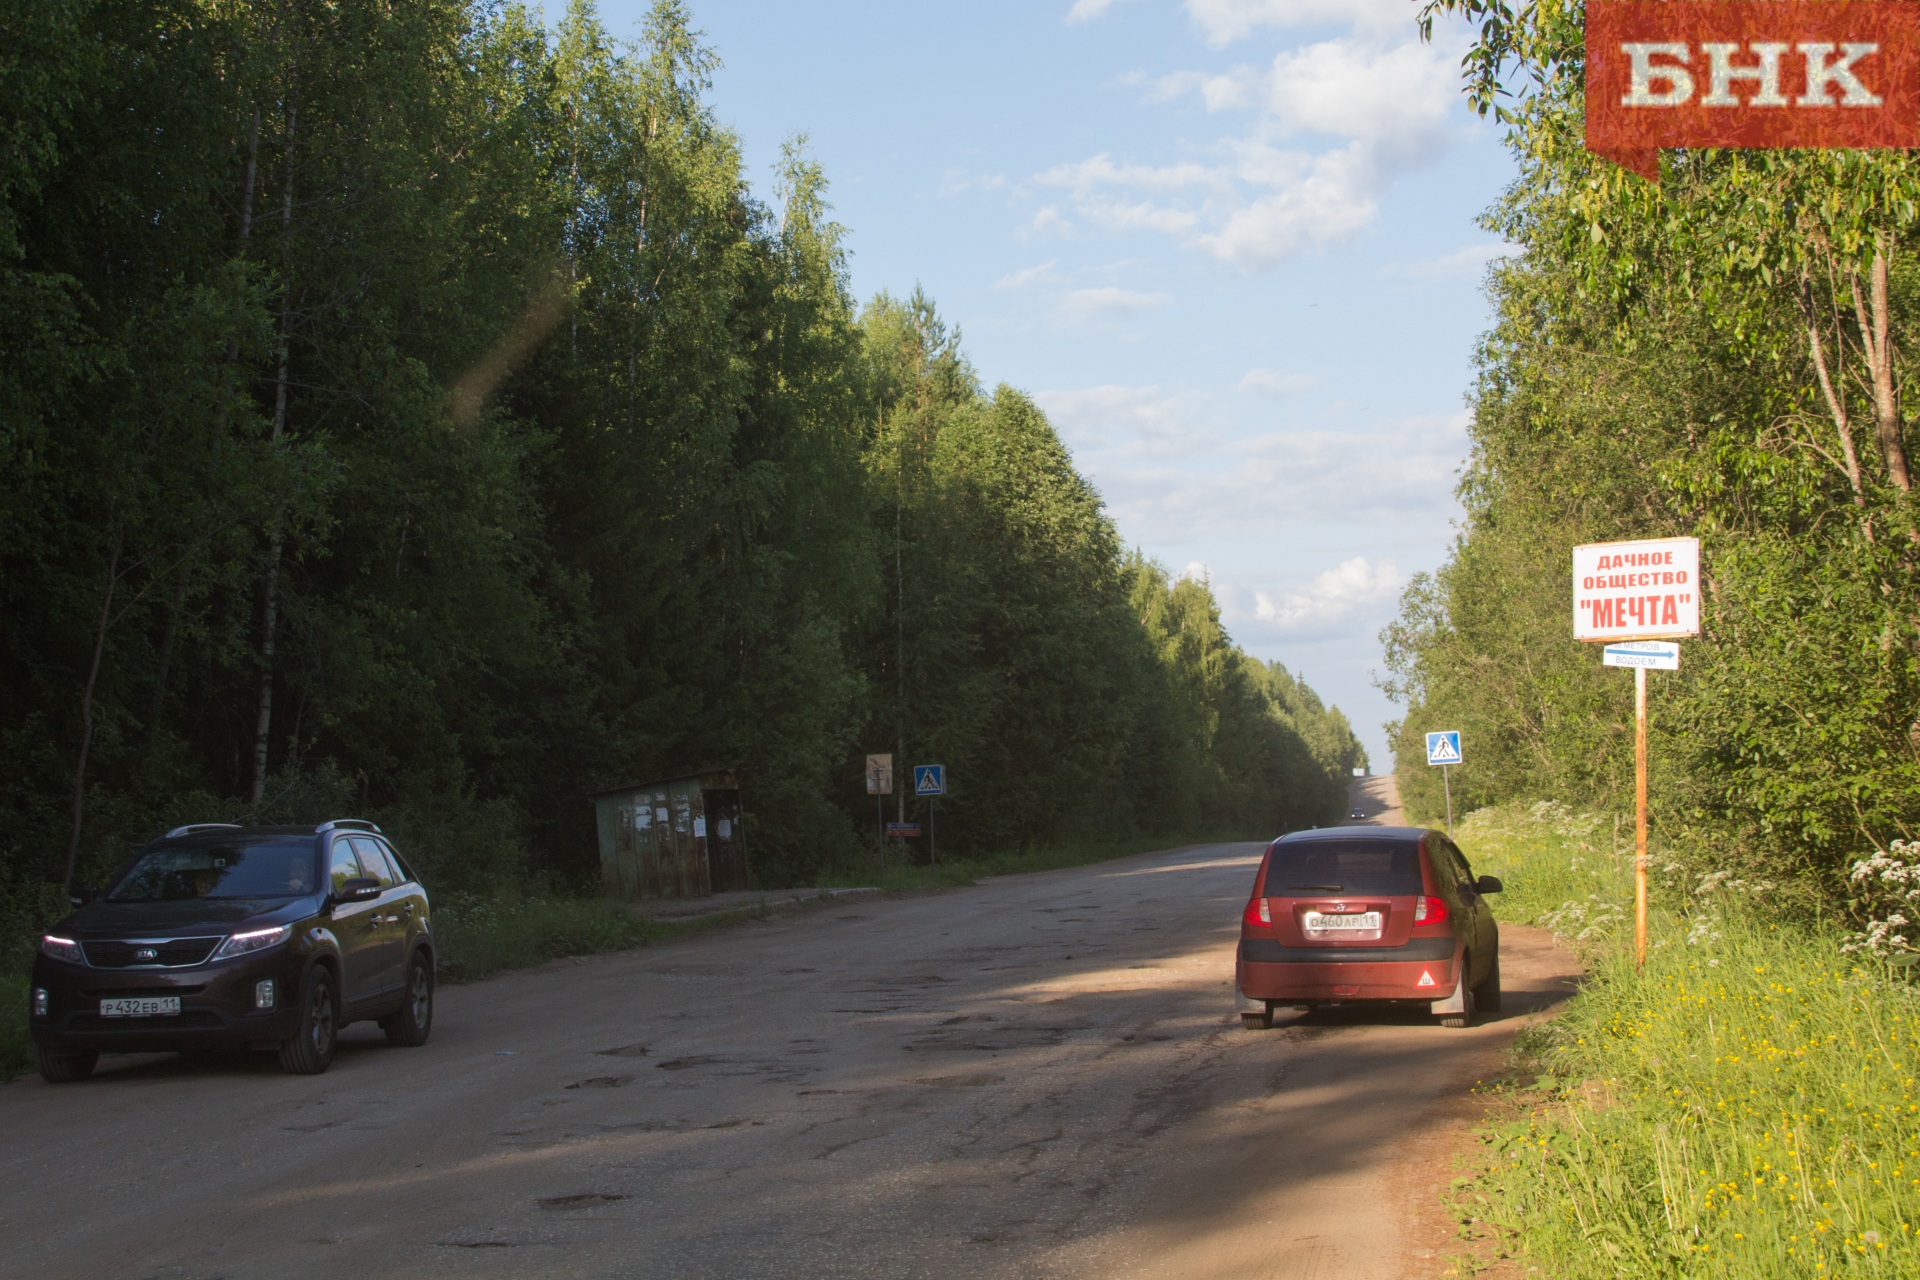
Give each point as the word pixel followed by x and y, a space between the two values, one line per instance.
pixel 409 410
pixel 1722 354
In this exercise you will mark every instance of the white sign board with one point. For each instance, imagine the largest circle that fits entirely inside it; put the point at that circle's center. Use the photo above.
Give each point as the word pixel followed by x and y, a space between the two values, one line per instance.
pixel 1444 748
pixel 880 775
pixel 1636 590
pixel 1654 655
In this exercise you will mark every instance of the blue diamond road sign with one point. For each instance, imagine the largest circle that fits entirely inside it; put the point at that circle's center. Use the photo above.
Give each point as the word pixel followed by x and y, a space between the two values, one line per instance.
pixel 929 779
pixel 1444 748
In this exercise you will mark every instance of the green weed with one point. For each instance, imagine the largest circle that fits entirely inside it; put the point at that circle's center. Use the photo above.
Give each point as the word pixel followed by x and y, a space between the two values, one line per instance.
pixel 1740 1107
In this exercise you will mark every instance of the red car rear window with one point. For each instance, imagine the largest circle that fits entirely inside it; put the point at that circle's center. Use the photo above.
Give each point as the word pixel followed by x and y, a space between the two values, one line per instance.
pixel 1343 866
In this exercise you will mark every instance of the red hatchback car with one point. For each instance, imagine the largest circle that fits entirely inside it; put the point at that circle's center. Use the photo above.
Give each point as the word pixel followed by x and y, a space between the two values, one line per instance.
pixel 1354 915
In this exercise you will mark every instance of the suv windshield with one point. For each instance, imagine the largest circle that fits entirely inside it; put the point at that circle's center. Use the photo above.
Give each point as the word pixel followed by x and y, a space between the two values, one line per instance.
pixel 278 866
pixel 1344 866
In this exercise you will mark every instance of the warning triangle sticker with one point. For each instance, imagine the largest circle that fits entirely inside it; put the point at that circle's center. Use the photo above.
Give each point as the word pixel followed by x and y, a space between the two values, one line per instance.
pixel 1426 979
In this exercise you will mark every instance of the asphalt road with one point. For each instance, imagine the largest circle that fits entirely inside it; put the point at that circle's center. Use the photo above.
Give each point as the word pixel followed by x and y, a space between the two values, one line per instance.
pixel 1039 1076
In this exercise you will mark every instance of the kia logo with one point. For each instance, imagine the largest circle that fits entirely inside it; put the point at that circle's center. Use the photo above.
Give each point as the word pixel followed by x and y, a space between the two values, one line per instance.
pixel 146 953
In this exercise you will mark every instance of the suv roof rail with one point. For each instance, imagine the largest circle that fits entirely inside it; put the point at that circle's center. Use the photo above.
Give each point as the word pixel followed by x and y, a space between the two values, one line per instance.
pixel 192 827
pixel 357 824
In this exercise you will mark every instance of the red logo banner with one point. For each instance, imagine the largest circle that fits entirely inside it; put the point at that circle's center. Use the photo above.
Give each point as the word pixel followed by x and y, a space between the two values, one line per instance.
pixel 1735 73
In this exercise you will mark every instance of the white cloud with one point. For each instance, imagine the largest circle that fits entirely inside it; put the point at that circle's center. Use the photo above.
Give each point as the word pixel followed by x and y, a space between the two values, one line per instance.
pixel 1350 89
pixel 1048 220
pixel 1276 385
pixel 1399 474
pixel 1083 305
pixel 1470 261
pixel 1224 21
pixel 1196 571
pixel 1121 422
pixel 1088 10
pixel 1332 596
pixel 1027 275
pixel 1227 91
pixel 1252 202
pixel 957 181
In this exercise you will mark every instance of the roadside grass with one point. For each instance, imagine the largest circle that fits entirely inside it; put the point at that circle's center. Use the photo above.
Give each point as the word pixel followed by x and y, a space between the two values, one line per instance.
pixel 480 936
pixel 1741 1107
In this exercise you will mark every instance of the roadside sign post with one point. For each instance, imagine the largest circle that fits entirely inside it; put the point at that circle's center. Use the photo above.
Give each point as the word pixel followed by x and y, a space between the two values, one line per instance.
pixel 880 786
pixel 930 780
pixel 1443 749
pixel 1638 597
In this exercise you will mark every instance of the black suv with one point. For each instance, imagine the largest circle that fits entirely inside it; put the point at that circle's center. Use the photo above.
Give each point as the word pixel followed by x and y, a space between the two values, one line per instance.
pixel 219 937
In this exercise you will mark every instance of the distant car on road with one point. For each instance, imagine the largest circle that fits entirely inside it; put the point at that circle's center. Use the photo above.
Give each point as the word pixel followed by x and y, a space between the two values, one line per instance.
pixel 1358 813
pixel 1391 916
pixel 220 937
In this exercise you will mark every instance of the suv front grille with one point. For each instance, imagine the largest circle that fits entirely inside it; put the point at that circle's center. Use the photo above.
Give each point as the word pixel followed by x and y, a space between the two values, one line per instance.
pixel 168 953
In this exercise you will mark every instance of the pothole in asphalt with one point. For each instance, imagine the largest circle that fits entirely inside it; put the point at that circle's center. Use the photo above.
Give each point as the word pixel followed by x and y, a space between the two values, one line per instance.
pixel 602 1082
pixel 976 1080
pixel 582 1201
pixel 624 1051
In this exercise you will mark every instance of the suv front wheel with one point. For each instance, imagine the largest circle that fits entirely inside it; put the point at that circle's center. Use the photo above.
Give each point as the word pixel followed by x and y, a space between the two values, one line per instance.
pixel 309 1051
pixel 65 1068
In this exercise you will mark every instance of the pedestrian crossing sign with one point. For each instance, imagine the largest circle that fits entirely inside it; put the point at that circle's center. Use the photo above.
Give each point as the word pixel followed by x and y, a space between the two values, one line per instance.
pixel 1444 747
pixel 929 779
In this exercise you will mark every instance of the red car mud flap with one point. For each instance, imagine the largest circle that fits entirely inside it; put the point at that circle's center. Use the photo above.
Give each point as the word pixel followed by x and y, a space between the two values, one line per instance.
pixel 1457 1002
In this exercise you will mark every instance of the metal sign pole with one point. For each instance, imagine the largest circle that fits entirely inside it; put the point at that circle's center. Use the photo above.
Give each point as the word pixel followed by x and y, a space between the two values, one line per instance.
pixel 933 854
pixel 1446 780
pixel 1640 815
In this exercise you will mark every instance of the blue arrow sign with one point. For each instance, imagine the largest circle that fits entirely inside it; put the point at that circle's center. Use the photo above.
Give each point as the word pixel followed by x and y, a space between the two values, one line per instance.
pixel 929 779
pixel 1444 748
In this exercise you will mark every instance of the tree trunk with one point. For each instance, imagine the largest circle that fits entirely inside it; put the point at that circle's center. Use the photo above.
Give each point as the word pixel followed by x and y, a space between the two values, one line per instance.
pixel 269 602
pixel 1871 314
pixel 86 713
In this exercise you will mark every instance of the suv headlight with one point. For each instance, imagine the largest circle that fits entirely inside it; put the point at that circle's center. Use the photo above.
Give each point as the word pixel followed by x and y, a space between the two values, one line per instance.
pixel 61 949
pixel 245 944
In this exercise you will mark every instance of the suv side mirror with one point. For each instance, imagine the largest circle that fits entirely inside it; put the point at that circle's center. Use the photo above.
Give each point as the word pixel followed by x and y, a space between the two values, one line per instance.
pixel 81 897
pixel 358 889
pixel 1488 884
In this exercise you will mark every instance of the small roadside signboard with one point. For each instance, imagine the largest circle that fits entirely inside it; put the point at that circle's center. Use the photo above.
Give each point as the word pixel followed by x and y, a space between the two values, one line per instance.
pixel 1654 655
pixel 1444 747
pixel 880 775
pixel 1646 590
pixel 904 830
pixel 1638 597
pixel 929 779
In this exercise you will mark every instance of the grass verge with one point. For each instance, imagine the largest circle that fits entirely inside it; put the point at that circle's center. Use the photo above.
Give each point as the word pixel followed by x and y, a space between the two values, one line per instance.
pixel 1741 1107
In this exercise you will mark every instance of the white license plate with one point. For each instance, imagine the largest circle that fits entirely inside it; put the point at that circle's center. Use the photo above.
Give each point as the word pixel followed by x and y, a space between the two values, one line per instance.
pixel 1361 922
pixel 141 1007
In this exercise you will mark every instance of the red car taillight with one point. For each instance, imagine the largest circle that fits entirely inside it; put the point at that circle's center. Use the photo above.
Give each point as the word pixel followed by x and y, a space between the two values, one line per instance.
pixel 1429 910
pixel 1257 915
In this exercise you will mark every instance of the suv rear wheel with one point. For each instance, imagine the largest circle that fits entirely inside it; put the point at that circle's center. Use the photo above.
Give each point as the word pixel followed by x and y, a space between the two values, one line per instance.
pixel 65 1068
pixel 310 1049
pixel 410 1025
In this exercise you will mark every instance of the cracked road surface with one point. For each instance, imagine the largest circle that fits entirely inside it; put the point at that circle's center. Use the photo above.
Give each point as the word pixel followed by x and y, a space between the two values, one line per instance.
pixel 1042 1076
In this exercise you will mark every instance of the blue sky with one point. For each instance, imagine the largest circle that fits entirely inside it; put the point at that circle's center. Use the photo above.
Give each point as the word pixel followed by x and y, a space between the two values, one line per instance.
pixel 1229 245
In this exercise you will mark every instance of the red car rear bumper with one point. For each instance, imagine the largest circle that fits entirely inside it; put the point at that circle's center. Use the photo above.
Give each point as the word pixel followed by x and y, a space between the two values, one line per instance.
pixel 1425 969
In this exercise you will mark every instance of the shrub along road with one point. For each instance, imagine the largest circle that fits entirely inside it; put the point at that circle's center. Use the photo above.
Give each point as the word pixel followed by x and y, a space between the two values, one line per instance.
pixel 1039 1076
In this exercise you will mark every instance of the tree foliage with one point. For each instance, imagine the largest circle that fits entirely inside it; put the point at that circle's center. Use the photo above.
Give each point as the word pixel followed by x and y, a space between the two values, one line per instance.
pixel 1720 354
pixel 410 409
